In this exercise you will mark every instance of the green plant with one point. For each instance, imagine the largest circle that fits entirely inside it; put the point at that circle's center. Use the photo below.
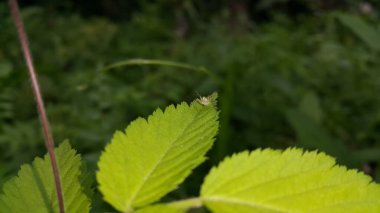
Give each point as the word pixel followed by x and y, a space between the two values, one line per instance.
pixel 154 155
pixel 312 55
pixel 263 75
pixel 366 32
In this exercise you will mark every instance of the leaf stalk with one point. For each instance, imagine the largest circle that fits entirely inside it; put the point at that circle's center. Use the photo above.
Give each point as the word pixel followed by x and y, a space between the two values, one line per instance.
pixel 187 203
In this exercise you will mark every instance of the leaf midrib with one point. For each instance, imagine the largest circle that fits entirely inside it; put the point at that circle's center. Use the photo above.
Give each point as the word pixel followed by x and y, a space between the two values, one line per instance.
pixel 242 203
pixel 128 206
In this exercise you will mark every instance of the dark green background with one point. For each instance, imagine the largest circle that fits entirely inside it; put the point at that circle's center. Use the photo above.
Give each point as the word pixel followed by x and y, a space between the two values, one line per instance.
pixel 289 73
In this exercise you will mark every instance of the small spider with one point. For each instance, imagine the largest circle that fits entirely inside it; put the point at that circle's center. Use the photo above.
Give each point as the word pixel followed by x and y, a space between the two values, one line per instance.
pixel 204 101
pixel 207 101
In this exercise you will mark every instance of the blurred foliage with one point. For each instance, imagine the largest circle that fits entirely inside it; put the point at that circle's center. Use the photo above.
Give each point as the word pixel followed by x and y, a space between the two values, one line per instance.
pixel 308 79
pixel 366 32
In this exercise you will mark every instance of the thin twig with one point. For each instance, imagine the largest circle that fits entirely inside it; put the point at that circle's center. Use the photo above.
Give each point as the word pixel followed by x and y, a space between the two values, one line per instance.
pixel 15 12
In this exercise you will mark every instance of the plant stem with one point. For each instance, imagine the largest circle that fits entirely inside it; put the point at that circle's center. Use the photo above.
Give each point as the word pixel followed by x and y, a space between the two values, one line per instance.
pixel 187 204
pixel 226 110
pixel 140 62
pixel 133 62
pixel 15 13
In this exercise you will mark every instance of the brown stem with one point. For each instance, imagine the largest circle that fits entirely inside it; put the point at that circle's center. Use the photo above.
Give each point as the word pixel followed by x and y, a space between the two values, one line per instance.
pixel 15 12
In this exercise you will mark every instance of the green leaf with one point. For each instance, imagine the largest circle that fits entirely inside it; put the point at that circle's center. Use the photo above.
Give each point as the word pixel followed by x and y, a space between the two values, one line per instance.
pixel 33 189
pixel 289 181
pixel 368 33
pixel 311 135
pixel 160 209
pixel 5 69
pixel 153 156
pixel 310 106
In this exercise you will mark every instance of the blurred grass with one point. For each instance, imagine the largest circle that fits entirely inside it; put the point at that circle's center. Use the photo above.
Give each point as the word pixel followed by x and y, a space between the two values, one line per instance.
pixel 311 82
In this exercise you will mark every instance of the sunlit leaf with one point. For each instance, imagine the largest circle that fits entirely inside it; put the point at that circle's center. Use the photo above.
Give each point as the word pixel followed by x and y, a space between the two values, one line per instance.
pixel 289 181
pixel 153 156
